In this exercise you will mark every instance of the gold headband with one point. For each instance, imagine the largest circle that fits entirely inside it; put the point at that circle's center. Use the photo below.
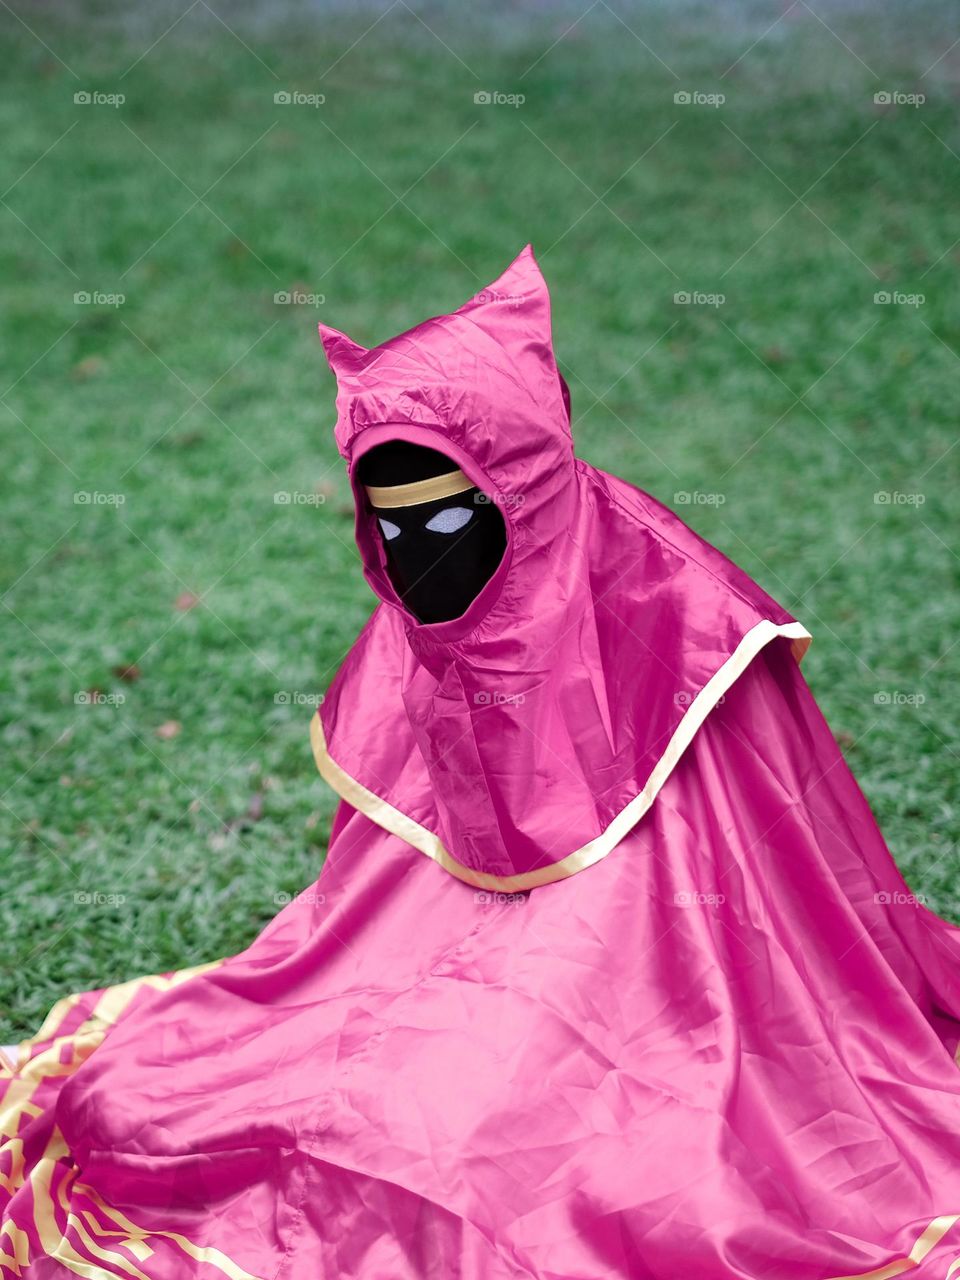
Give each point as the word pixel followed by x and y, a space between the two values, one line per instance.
pixel 410 495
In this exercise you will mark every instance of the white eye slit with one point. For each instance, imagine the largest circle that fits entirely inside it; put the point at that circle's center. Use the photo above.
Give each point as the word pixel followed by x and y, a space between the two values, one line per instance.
pixel 389 529
pixel 449 520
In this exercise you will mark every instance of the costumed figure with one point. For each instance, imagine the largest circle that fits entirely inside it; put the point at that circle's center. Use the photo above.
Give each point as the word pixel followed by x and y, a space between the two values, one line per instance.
pixel 608 972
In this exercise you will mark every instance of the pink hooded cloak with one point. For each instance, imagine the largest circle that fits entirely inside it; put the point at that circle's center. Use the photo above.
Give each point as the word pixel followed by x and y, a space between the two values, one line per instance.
pixel 655 1004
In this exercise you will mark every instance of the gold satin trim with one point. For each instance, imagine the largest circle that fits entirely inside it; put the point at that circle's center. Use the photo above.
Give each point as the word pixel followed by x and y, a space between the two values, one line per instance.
pixel 411 495
pixel 85 1241
pixel 138 1236
pixel 933 1234
pixel 399 824
pixel 32 1064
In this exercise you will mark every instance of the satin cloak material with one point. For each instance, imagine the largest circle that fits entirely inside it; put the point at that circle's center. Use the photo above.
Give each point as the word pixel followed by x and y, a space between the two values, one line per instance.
pixel 725 1051
pixel 518 743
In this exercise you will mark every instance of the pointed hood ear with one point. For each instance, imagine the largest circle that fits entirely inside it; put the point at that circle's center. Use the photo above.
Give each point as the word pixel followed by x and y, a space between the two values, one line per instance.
pixel 520 289
pixel 515 312
pixel 344 356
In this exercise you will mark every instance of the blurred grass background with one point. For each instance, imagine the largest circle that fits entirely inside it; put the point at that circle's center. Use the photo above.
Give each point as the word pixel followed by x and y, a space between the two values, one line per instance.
pixel 191 807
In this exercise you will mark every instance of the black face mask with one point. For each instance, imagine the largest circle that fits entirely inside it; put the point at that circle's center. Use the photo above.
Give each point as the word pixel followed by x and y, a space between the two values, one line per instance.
pixel 439 554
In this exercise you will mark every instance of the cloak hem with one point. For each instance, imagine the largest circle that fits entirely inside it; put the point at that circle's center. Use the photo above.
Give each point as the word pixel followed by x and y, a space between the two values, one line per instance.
pixel 400 824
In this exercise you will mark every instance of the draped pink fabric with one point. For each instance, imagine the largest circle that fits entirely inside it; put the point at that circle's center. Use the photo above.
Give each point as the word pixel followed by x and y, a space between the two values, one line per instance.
pixel 725 1048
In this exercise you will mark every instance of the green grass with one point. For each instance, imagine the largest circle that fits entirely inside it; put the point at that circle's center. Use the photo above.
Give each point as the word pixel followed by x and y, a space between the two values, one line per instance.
pixel 796 400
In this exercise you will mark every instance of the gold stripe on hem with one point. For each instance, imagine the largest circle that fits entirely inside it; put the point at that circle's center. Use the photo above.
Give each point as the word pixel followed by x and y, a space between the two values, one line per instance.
pixel 933 1234
pixel 411 495
pixel 399 824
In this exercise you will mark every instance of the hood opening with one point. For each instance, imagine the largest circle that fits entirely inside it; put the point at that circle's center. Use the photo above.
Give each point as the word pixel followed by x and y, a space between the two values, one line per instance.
pixel 431 532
